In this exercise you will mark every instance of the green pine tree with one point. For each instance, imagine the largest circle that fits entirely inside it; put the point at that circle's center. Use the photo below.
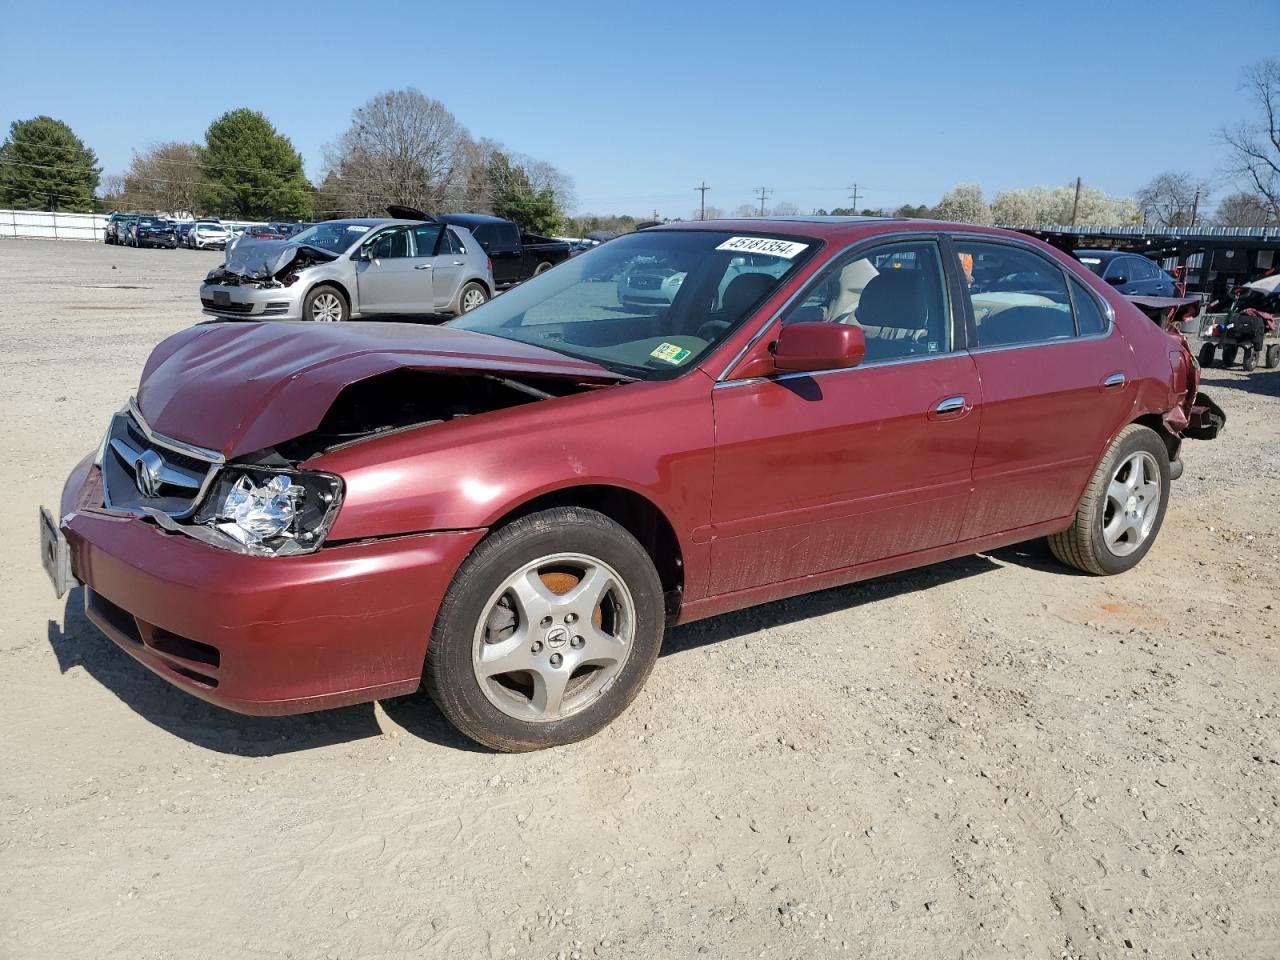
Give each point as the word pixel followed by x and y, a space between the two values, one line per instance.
pixel 252 172
pixel 45 166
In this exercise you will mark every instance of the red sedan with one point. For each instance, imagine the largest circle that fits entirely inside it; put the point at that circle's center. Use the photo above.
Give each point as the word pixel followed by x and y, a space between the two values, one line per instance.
pixel 681 422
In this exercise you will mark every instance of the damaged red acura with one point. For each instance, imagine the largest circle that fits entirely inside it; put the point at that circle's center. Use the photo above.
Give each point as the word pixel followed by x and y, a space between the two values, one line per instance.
pixel 511 508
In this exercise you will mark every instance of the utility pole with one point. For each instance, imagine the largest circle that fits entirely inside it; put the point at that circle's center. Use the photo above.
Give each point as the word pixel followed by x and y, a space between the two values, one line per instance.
pixel 854 197
pixel 1195 205
pixel 702 207
pixel 1075 204
pixel 764 193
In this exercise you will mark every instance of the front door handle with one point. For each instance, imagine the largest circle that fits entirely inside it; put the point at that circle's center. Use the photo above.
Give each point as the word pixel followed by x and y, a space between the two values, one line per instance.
pixel 459 263
pixel 951 408
pixel 422 266
pixel 1115 381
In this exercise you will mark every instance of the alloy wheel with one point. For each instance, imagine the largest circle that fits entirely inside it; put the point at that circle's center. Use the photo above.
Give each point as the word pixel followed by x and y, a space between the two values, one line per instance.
pixel 472 299
pixel 1132 505
pixel 554 637
pixel 326 308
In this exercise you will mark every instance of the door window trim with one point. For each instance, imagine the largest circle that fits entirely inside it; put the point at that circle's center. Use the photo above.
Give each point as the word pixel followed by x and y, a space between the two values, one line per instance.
pixel 967 305
pixel 823 274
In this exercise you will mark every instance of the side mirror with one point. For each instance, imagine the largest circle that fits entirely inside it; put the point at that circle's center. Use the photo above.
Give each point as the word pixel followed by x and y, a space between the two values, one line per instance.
pixel 365 253
pixel 806 347
pixel 1118 280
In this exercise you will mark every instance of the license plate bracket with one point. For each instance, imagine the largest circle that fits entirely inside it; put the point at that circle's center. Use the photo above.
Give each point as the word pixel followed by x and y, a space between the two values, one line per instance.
pixel 221 298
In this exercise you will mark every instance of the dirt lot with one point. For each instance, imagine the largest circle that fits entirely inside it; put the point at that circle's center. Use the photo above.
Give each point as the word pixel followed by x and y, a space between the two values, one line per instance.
pixel 992 757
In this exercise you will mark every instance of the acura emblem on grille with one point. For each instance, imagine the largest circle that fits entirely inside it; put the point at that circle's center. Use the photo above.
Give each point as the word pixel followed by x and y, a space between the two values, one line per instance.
pixel 146 472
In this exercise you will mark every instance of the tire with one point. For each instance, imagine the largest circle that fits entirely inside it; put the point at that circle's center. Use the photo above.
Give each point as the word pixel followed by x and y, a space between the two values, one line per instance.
pixel 542 268
pixel 549 553
pixel 472 295
pixel 1206 355
pixel 1250 361
pixel 1086 544
pixel 1273 356
pixel 325 304
pixel 1229 355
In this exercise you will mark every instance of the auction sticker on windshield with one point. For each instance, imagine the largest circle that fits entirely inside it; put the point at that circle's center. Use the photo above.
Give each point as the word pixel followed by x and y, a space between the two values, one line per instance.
pixel 787 249
pixel 670 352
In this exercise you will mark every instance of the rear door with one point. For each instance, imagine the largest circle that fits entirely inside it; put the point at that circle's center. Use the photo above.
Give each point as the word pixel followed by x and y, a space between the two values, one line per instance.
pixel 501 241
pixel 391 279
pixel 450 267
pixel 829 470
pixel 1057 383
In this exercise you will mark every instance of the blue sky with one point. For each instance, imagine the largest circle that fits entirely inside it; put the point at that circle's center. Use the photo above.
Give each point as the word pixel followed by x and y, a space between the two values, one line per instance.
pixel 639 102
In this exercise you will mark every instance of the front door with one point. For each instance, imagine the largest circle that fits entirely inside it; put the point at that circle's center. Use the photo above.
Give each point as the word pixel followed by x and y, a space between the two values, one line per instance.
pixel 818 472
pixel 1056 385
pixel 389 279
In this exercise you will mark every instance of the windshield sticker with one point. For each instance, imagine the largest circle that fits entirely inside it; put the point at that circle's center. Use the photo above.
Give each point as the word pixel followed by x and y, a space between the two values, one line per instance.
pixel 1090 260
pixel 670 353
pixel 357 228
pixel 787 249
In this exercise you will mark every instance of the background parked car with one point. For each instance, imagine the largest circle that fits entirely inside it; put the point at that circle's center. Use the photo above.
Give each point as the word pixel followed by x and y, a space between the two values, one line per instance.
pixel 114 229
pixel 144 231
pixel 1128 272
pixel 182 230
pixel 264 231
pixel 516 256
pixel 206 235
pixel 344 269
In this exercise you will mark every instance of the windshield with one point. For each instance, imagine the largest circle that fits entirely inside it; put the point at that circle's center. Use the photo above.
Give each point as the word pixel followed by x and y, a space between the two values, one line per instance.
pixel 148 222
pixel 647 304
pixel 211 228
pixel 1096 264
pixel 334 235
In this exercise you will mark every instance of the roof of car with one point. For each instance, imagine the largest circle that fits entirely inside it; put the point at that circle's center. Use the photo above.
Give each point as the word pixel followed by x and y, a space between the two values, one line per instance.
pixel 1104 254
pixel 834 228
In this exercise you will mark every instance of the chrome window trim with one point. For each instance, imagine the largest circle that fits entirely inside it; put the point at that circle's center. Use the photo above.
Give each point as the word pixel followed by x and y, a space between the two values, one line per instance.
pixel 878 239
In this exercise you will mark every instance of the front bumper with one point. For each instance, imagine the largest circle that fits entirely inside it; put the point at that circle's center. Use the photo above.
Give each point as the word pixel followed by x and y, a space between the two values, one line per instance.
pixel 265 636
pixel 156 240
pixel 274 303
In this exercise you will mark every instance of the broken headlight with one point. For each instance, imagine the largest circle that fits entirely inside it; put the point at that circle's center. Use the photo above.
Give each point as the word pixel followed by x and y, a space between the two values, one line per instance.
pixel 272 513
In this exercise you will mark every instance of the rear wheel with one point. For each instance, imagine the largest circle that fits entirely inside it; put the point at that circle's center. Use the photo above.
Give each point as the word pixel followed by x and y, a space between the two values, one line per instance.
pixel 1122 508
pixel 473 295
pixel 541 268
pixel 325 304
pixel 1250 361
pixel 1273 356
pixel 1206 355
pixel 1229 355
pixel 547 632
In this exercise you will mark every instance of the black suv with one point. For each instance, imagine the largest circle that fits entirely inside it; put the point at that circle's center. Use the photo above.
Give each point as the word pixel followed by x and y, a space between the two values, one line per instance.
pixel 143 231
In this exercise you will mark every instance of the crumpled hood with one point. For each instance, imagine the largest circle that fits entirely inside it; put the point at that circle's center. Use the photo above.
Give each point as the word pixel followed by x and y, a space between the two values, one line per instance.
pixel 240 387
pixel 260 259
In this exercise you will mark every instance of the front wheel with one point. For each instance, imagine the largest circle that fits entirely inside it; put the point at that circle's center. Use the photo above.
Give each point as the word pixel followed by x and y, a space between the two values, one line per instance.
pixel 1273 356
pixel 1122 508
pixel 547 632
pixel 325 304
pixel 1206 356
pixel 1229 355
pixel 473 295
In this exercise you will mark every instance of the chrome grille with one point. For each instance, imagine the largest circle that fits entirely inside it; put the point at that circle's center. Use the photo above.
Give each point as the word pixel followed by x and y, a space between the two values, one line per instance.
pixel 142 469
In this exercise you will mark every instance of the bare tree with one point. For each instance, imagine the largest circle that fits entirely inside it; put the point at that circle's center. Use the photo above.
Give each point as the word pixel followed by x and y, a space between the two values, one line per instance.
pixel 165 178
pixel 745 212
pixel 1171 199
pixel 402 147
pixel 784 208
pixel 1244 209
pixel 712 213
pixel 1255 146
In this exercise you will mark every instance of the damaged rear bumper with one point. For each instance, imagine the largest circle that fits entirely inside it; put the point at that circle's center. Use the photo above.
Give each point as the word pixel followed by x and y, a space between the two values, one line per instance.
pixel 255 635
pixel 1206 419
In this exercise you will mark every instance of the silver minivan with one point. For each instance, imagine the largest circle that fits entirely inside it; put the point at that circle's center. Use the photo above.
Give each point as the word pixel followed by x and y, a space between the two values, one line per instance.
pixel 347 269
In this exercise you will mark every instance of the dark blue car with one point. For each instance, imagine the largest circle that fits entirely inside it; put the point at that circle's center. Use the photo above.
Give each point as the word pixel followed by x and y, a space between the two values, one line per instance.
pixel 1128 272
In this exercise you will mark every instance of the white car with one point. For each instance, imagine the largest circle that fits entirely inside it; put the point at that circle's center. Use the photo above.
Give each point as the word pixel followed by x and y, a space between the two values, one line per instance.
pixel 208 236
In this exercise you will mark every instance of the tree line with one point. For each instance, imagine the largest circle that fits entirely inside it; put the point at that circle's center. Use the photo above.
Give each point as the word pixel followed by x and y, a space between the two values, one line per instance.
pixel 401 147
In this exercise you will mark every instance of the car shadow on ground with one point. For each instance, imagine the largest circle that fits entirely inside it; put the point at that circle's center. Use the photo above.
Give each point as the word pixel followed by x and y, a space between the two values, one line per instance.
pixel 1263 383
pixel 78 643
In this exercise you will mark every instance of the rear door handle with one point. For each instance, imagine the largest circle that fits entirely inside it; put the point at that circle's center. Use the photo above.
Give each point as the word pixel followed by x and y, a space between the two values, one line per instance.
pixel 951 408
pixel 459 263
pixel 1115 381
pixel 422 266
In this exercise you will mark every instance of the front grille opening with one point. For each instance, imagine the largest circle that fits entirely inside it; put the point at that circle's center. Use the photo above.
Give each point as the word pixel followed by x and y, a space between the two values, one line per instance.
pixel 117 618
pixel 197 678
pixel 176 646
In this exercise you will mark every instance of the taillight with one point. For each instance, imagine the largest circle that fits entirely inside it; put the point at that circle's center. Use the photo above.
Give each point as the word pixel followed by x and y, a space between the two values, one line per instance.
pixel 488 264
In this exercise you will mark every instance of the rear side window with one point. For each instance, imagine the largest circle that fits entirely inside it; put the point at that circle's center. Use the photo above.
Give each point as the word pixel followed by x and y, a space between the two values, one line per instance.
pixel 497 236
pixel 1089 316
pixel 1018 296
pixel 452 243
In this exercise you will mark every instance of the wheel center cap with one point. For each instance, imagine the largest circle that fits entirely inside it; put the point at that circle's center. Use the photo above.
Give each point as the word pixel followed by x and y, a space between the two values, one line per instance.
pixel 557 637
pixel 1131 506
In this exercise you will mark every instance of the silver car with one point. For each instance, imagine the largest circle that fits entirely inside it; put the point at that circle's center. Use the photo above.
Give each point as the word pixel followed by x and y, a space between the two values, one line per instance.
pixel 346 269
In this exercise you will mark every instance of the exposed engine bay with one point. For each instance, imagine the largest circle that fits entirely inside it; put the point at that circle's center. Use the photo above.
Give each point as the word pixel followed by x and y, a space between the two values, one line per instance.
pixel 267 263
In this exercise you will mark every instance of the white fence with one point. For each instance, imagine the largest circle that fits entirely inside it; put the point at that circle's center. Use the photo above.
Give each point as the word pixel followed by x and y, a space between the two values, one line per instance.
pixel 40 224
pixel 52 226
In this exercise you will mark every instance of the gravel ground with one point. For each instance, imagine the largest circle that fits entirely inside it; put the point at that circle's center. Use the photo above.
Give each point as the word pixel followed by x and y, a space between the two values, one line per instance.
pixel 990 757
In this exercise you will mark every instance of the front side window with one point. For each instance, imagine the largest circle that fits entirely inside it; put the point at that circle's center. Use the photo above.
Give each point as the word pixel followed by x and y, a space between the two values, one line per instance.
pixel 647 304
pixel 425 238
pixel 1018 296
pixel 392 245
pixel 894 292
